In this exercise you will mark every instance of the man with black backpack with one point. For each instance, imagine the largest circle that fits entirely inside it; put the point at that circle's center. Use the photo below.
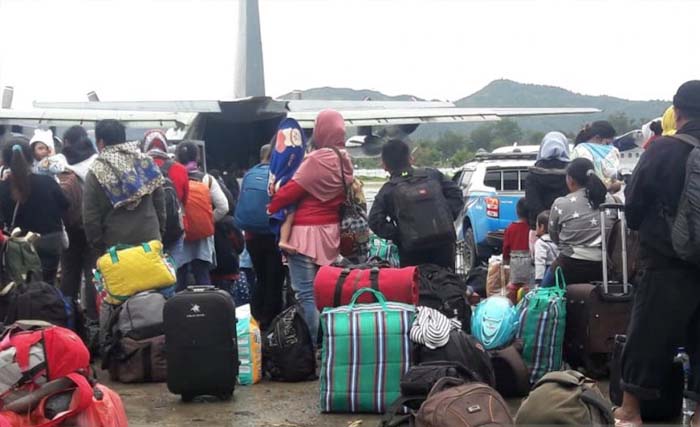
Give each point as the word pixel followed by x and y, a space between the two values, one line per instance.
pixel 416 209
pixel 663 203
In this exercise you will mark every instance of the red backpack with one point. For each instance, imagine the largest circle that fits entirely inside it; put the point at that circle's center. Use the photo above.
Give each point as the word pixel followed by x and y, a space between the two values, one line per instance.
pixel 33 354
pixel 199 216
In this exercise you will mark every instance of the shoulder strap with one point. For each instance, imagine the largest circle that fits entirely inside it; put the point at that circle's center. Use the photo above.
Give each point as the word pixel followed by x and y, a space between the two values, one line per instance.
pixel 688 139
pixel 342 171
pixel 14 217
pixel 165 167
pixel 590 397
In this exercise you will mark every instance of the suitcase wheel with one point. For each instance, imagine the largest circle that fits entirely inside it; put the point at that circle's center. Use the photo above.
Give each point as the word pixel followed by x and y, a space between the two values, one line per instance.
pixel 225 397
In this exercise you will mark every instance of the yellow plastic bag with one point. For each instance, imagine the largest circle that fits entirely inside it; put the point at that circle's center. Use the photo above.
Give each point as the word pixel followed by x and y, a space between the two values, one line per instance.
pixel 249 347
pixel 126 271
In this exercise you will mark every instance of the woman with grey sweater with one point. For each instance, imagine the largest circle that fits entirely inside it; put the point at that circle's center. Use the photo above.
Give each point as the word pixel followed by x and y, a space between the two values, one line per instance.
pixel 574 224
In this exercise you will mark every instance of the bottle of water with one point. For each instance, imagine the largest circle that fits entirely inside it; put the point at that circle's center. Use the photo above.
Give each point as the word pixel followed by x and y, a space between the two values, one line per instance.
pixel 688 405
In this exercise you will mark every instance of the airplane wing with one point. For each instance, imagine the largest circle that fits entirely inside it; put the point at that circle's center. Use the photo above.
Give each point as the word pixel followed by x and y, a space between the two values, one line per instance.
pixel 418 115
pixel 69 117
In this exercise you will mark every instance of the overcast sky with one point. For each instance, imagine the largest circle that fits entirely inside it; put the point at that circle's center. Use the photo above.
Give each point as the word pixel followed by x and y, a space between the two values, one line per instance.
pixel 178 49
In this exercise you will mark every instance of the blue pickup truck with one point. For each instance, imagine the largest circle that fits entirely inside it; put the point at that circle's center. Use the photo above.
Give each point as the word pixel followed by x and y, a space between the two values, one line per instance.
pixel 492 184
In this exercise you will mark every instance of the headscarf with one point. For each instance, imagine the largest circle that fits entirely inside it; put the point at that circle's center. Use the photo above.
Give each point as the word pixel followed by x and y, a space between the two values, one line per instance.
pixel 554 146
pixel 320 172
pixel 668 122
pixel 155 143
pixel 126 174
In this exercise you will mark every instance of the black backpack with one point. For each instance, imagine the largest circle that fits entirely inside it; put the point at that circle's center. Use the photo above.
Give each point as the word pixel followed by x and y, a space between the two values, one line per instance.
pixel 423 217
pixel 174 227
pixel 685 225
pixel 443 290
pixel 40 301
pixel 463 350
pixel 287 350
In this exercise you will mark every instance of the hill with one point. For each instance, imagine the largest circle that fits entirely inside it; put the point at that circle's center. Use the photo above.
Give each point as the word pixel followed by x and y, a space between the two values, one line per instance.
pixel 507 93
pixel 347 94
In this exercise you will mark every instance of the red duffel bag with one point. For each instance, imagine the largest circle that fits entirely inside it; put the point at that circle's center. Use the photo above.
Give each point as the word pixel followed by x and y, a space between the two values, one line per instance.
pixel 335 286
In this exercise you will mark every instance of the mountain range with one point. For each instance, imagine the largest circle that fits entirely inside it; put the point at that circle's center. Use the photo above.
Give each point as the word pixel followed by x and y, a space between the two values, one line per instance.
pixel 508 93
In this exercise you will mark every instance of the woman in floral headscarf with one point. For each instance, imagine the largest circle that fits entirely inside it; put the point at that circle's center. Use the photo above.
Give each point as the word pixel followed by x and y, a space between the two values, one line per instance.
pixel 123 201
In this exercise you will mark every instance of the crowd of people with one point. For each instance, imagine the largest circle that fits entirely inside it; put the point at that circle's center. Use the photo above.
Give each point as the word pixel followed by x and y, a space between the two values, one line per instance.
pixel 92 196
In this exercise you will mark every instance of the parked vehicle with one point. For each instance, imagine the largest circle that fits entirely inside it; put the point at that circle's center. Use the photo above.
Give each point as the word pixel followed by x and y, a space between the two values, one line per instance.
pixel 492 183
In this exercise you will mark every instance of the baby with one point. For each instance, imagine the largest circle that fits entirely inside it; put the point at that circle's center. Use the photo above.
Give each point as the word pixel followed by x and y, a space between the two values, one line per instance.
pixel 287 154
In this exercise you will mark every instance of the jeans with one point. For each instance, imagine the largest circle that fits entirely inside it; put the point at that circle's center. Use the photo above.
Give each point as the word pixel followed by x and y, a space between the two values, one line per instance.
pixel 303 272
pixel 200 271
pixel 266 301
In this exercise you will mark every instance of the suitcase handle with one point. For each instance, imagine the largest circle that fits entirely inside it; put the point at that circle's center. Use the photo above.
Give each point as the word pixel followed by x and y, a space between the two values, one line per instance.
pixel 626 297
pixel 200 288
pixel 623 241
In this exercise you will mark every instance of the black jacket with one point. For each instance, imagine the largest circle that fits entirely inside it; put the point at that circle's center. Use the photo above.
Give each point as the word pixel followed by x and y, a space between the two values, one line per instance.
pixel 653 193
pixel 382 217
pixel 43 210
pixel 545 182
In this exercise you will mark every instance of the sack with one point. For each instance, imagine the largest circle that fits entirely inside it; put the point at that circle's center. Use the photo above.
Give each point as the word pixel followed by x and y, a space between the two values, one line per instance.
pixel 199 214
pixel 444 291
pixel 366 351
pixel 512 376
pixel 335 286
pixel 251 212
pixel 565 398
pixel 174 225
pixel 452 403
pixel 40 301
pixel 495 322
pixel 424 219
pixel 138 361
pixel 541 326
pixel 141 316
pixel 685 225
pixel 464 350
pixel 497 277
pixel 82 406
pixel 126 270
pixel 521 267
pixel 72 187
pixel 354 227
pixel 384 250
pixel 249 347
pixel 288 350
pixel 20 261
pixel 33 354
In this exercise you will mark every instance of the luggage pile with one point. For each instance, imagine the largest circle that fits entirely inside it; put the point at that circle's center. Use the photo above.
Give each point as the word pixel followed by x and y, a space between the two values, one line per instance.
pixel 45 373
pixel 134 283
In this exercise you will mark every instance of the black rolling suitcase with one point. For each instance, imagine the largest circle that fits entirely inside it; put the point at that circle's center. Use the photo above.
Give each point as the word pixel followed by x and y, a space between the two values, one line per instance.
pixel 200 339
pixel 668 407
pixel 597 312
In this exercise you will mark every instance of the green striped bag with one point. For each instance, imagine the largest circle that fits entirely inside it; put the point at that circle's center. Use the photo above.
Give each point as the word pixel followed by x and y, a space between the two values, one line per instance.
pixel 366 351
pixel 384 249
pixel 542 314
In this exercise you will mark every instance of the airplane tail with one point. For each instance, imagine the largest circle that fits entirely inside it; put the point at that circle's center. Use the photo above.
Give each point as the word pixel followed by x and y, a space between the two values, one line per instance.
pixel 250 74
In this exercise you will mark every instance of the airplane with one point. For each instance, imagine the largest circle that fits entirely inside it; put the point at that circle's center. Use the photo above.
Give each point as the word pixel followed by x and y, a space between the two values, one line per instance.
pixel 234 130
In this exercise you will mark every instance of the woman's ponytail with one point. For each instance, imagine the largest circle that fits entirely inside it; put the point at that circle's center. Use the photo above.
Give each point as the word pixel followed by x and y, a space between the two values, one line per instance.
pixel 18 154
pixel 581 170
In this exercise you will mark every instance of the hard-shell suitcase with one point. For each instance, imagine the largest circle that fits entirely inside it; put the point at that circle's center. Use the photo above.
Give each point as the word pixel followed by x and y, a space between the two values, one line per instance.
pixel 598 311
pixel 201 344
pixel 668 407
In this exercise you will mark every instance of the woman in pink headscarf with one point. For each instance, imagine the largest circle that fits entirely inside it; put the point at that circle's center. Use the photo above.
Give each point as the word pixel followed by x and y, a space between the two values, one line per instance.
pixel 317 191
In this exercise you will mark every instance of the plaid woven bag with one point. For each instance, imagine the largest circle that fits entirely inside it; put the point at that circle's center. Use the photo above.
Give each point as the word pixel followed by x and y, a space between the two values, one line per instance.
pixel 366 351
pixel 542 315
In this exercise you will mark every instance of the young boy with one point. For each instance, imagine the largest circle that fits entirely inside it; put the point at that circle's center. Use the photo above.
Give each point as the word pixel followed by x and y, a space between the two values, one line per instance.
pixel 416 210
pixel 287 154
pixel 516 251
pixel 546 251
